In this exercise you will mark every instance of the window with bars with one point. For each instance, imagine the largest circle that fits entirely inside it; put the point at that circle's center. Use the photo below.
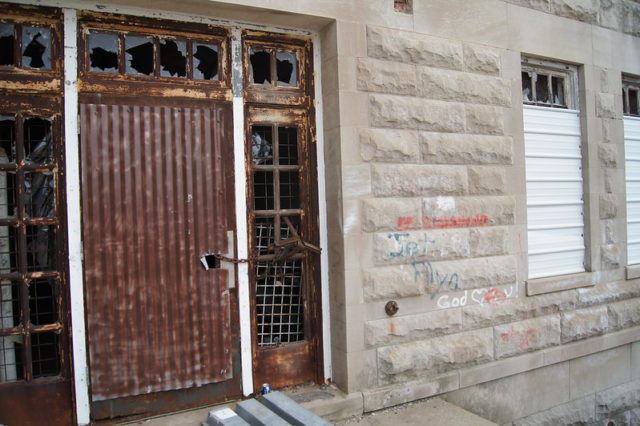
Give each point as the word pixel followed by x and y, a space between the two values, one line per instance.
pixel 275 168
pixel 30 290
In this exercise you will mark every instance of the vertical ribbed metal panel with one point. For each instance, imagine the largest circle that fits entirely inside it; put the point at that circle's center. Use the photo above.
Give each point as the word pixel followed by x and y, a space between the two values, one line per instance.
pixel 555 218
pixel 632 176
pixel 154 200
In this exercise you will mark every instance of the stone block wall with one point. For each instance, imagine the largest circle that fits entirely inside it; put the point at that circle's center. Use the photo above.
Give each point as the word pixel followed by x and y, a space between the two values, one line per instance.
pixel 438 224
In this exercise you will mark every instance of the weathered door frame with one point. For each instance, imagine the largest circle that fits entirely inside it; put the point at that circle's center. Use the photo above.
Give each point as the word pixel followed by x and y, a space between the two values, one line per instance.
pixel 73 192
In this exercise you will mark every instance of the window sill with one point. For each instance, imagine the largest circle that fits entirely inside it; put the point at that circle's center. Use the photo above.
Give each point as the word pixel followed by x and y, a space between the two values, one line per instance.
pixel 559 283
pixel 633 271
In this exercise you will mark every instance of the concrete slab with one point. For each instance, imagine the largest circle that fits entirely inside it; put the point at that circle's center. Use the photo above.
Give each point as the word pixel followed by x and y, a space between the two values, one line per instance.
pixel 433 411
pixel 289 410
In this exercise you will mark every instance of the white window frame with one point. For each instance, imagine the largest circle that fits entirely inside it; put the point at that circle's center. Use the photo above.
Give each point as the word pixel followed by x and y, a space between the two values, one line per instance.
pixel 555 226
pixel 631 123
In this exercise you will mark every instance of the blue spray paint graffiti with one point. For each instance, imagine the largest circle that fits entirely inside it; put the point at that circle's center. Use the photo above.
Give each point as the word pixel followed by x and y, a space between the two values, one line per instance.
pixel 418 247
pixel 424 270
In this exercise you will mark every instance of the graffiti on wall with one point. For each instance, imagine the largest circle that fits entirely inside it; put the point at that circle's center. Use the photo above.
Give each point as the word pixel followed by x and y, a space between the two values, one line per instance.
pixel 407 223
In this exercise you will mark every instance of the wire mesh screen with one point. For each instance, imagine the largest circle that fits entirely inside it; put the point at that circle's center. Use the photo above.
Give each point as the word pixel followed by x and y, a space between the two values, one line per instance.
pixel 279 302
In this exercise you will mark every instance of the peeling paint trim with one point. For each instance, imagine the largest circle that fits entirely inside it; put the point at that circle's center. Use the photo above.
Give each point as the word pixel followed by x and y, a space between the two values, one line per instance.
pixel 74 228
pixel 240 185
pixel 322 213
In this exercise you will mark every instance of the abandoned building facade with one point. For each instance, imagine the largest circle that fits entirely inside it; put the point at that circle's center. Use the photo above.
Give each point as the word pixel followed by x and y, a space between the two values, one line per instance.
pixel 402 198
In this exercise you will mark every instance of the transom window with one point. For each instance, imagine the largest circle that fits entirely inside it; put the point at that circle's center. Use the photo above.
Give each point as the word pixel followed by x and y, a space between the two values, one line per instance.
pixel 548 84
pixel 25 45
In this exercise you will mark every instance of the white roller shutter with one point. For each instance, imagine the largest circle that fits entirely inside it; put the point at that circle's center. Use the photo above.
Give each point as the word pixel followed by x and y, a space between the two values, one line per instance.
pixel 632 176
pixel 555 219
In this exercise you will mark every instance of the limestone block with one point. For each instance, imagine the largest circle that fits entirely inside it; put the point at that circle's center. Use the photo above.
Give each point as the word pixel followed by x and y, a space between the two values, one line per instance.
pixel 605 105
pixel 517 309
pixel 463 87
pixel 584 323
pixel 499 210
pixel 393 146
pixel 450 148
pixel 412 327
pixel 505 400
pixel 609 178
pixel 412 246
pixel 619 399
pixel 382 214
pixel 422 358
pixel 526 336
pixel 542 5
pixel 608 155
pixel 391 282
pixel 581 10
pixel 481 59
pixel 487 180
pixel 608 206
pixel 441 277
pixel 609 234
pixel 484 120
pixel 610 256
pixel 386 77
pixel 607 292
pixel 631 17
pixel 578 412
pixel 488 241
pixel 599 371
pixel 417 180
pixel 413 113
pixel 409 47
pixel 624 314
pixel 610 14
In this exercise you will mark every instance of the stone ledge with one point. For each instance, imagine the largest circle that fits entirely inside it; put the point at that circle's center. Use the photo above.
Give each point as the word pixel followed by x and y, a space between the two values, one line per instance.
pixel 559 283
pixel 633 271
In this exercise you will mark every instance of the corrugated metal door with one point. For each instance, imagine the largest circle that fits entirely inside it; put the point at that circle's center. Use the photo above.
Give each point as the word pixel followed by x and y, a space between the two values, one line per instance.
pixel 155 185
pixel 554 191
pixel 632 172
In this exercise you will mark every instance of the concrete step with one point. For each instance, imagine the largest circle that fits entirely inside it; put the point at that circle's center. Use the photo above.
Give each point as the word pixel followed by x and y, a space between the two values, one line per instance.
pixel 272 409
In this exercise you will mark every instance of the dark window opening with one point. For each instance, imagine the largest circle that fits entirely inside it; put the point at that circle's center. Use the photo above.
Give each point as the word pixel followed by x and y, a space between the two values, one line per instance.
pixel 557 87
pixel 261 145
pixel 42 301
pixel 404 6
pixel 633 102
pixel 7 140
pixel 263 190
pixel 37 47
pixel 286 68
pixel 205 62
pixel 288 146
pixel 542 88
pixel 139 55
pixel 7 40
pixel 173 58
pixel 289 190
pixel 45 355
pixel 40 248
pixel 39 194
pixel 527 92
pixel 37 141
pixel 103 50
pixel 260 66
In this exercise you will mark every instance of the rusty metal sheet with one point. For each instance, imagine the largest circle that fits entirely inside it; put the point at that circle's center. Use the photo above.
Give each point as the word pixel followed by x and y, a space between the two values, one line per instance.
pixel 155 199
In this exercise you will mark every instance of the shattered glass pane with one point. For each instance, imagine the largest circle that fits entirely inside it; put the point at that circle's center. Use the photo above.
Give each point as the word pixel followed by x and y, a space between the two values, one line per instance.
pixel 139 56
pixel 287 68
pixel 526 87
pixel 261 145
pixel 37 141
pixel 36 43
pixel 7 39
pixel 39 194
pixel 542 88
pixel 205 61
pixel 557 85
pixel 260 66
pixel 173 58
pixel 103 52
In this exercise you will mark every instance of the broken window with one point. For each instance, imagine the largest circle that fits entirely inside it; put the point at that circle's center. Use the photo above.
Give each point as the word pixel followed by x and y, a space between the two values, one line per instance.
pixel 36 44
pixel 270 66
pixel 139 55
pixel 630 96
pixel 403 6
pixel 173 58
pixel 545 87
pixel 7 42
pixel 103 52
pixel 205 61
